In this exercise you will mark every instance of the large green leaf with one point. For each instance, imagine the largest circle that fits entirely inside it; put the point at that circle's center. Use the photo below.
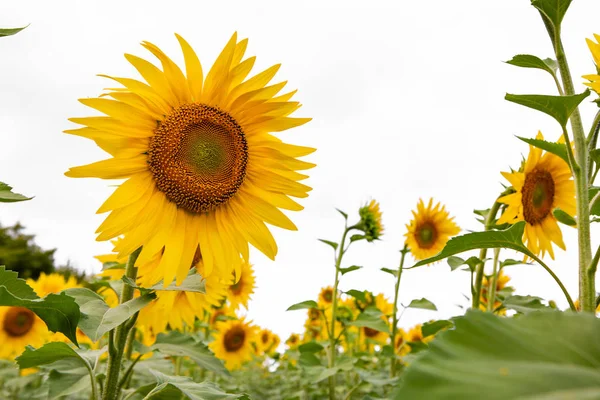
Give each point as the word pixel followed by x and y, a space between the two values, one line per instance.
pixel 55 351
pixel 180 345
pixel 173 387
pixel 10 31
pixel 541 355
pixel 6 193
pixel 558 107
pixel 371 318
pixel 553 10
pixel 528 61
pixel 559 149
pixel 523 304
pixel 92 308
pixel 59 311
pixel 62 384
pixel 511 238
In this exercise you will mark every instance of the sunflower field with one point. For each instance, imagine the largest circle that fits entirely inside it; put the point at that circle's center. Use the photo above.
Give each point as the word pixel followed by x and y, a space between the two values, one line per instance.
pixel 207 177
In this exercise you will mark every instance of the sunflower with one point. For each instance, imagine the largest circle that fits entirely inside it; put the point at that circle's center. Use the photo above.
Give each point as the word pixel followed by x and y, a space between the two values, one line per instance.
pixel 314 317
pixel 52 283
pixel 370 337
pixel 400 345
pixel 220 314
pixel 415 335
pixel 239 292
pixel 20 327
pixel 233 342
pixel 545 183
pixel 293 341
pixel 594 79
pixel 429 230
pixel 200 164
pixel 370 221
pixel 326 297
pixel 383 305
pixel 173 308
pixel 266 342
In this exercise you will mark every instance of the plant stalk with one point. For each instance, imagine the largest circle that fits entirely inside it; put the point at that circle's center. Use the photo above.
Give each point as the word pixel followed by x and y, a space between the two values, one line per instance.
pixel 493 282
pixel 489 222
pixel 395 316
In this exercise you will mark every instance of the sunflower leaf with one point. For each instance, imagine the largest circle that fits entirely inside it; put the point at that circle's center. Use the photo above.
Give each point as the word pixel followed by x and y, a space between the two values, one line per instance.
pixel 431 328
pixel 390 271
pixel 49 353
pixel 61 384
pixel 455 262
pixel 563 217
pixel 524 304
pixel 423 304
pixel 371 318
pixel 594 207
pixel 92 308
pixel 10 31
pixel 558 107
pixel 558 149
pixel 180 345
pixel 310 347
pixel 330 243
pixel 528 61
pixel 6 193
pixel 343 213
pixel 349 269
pixel 192 283
pixel 552 10
pixel 547 354
pixel 510 238
pixel 303 305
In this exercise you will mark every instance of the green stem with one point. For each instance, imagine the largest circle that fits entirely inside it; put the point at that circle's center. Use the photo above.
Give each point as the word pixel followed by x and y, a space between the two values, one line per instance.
pixel 558 281
pixel 95 393
pixel 332 339
pixel 492 285
pixel 119 339
pixel 395 316
pixel 592 141
pixel 489 222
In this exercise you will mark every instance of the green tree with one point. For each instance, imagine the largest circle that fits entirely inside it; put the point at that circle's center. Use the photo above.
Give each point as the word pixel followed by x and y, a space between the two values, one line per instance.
pixel 19 253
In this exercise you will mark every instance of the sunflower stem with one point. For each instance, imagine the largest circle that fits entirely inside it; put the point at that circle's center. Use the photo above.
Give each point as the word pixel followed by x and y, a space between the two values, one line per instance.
pixel 592 142
pixel 332 339
pixel 395 316
pixel 492 285
pixel 111 391
pixel 489 223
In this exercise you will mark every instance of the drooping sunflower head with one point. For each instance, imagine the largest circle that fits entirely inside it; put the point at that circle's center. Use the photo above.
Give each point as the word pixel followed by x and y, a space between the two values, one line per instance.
pixel 20 327
pixel 201 165
pixel 544 183
pixel 370 221
pixel 241 288
pixel 293 341
pixel 233 342
pixel 326 297
pixel 52 283
pixel 429 230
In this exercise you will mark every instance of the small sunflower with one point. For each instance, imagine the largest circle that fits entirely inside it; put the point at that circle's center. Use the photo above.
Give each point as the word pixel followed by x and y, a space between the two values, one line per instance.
pixel 20 327
pixel 239 292
pixel 370 221
pixel 314 317
pixel 545 183
pixel 415 335
pixel 220 314
pixel 52 283
pixel 293 341
pixel 266 342
pixel 200 164
pixel 429 230
pixel 326 297
pixel 400 345
pixel 371 337
pixel 594 79
pixel 233 342
pixel 383 305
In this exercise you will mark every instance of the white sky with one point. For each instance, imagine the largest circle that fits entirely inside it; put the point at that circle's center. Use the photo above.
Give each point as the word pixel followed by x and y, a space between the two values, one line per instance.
pixel 407 101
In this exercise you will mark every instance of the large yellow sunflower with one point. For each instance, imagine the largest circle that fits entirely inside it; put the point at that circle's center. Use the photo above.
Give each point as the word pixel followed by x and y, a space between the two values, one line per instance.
pixel 201 165
pixel 239 292
pixel 20 327
pixel 233 342
pixel 52 283
pixel 544 183
pixel 429 230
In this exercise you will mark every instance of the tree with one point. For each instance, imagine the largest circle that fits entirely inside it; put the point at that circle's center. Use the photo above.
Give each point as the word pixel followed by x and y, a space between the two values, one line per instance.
pixel 19 253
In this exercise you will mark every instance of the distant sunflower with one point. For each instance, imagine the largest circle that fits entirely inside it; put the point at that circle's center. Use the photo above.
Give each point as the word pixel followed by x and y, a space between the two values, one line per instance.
pixel 594 79
pixel 221 314
pixel 400 345
pixel 370 221
pixel 233 342
pixel 266 341
pixel 545 183
pixel 20 327
pixel 429 230
pixel 501 282
pixel 326 297
pixel 201 167
pixel 240 291
pixel 52 283
pixel 371 337
pixel 383 305
pixel 293 341
pixel 415 335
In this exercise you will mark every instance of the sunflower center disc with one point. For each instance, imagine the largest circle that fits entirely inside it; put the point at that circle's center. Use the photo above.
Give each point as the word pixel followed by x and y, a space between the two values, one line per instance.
pixel 537 196
pixel 328 296
pixel 198 157
pixel 18 321
pixel 426 235
pixel 234 339
pixel 237 287
pixel 265 338
pixel 369 332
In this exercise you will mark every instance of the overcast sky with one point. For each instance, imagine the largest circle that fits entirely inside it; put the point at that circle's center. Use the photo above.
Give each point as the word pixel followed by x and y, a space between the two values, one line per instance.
pixel 406 100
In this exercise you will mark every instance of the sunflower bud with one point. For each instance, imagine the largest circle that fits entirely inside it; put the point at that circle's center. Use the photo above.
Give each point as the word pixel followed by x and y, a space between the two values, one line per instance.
pixel 370 221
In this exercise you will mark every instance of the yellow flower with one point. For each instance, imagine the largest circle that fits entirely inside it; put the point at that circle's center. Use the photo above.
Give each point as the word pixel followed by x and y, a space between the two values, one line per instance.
pixel 233 342
pixel 544 184
pixel 400 345
pixel 429 230
pixel 293 341
pixel 240 291
pixel 172 308
pixel 52 283
pixel 326 297
pixel 200 164
pixel 20 327
pixel 595 50
pixel 224 312
pixel 383 305
pixel 314 317
pixel 370 221
pixel 371 337
pixel 266 342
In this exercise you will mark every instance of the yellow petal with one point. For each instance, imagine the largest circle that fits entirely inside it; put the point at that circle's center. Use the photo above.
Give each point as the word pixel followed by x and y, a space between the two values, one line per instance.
pixel 113 168
pixel 193 69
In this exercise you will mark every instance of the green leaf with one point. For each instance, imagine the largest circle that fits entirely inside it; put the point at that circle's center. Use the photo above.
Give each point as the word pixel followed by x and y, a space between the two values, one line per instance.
pixel 524 304
pixel 10 31
pixel 509 261
pixel 343 213
pixel 173 387
pixel 62 384
pixel 553 10
pixel 356 238
pixel 349 269
pixel 563 217
pixel 528 61
pixel 549 355
pixel 371 318
pixel 192 283
pixel 47 354
pixel 390 271
pixel 595 208
pixel 471 262
pixel 329 242
pixel 308 360
pixel 18 287
pixel 431 328
pixel 558 107
pixel 310 347
pixel 303 305
pixel 422 303
pixel 6 194
pixel 357 294
pixel 510 238
pixel 559 149
pixel 180 345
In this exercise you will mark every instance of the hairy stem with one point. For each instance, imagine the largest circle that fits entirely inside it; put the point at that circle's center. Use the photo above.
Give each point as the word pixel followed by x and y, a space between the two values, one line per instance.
pixel 395 316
